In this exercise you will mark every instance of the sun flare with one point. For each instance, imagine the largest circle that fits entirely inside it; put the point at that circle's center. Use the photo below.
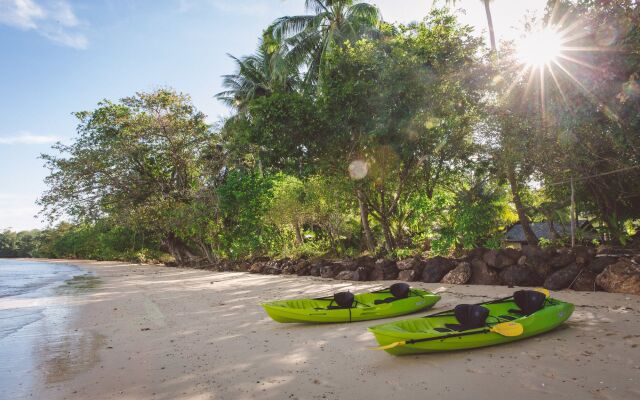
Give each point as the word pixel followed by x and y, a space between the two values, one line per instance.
pixel 540 48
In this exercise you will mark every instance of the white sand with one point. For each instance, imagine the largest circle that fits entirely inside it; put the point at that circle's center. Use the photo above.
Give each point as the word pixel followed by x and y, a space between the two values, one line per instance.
pixel 149 332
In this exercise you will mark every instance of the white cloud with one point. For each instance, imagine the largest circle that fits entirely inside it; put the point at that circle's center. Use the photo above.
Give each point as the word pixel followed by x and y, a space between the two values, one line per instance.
pixel 53 19
pixel 28 138
pixel 18 212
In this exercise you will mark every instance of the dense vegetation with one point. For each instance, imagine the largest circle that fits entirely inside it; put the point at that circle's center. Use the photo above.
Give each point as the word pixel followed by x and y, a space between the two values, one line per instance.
pixel 353 135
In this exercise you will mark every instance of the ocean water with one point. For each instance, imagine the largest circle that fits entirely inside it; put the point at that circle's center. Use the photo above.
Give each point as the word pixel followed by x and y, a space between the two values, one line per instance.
pixel 31 313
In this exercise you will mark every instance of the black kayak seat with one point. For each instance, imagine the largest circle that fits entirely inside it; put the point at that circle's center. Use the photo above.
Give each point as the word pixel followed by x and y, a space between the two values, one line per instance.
pixel 398 290
pixel 343 300
pixel 469 316
pixel 529 301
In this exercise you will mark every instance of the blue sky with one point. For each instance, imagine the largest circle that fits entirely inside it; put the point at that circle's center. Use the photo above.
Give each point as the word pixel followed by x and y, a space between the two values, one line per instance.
pixel 61 56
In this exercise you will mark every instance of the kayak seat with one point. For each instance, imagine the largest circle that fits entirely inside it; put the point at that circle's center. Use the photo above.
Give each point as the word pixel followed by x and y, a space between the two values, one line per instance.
pixel 469 316
pixel 507 317
pixel 342 300
pixel 529 301
pixel 399 291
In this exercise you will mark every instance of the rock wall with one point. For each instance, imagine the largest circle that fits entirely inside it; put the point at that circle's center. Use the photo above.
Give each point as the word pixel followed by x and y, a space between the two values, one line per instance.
pixel 580 268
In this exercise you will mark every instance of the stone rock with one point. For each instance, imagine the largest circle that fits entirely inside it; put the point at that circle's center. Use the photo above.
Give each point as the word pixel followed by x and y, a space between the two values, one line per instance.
pixel 586 281
pixel 562 259
pixel 540 265
pixel 257 267
pixel 584 254
pixel 512 254
pixel 531 250
pixel 481 274
pixel 475 253
pixel 436 268
pixel 346 265
pixel 522 260
pixel 517 275
pixel 562 278
pixel 502 261
pixel 347 275
pixel 301 268
pixel 364 273
pixel 600 263
pixel 272 268
pixel 330 271
pixel 384 270
pixel 408 275
pixel 314 270
pixel 489 257
pixel 621 277
pixel 459 275
pixel 409 263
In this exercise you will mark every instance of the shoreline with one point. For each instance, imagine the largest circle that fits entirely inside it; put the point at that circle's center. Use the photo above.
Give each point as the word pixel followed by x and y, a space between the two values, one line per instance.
pixel 155 332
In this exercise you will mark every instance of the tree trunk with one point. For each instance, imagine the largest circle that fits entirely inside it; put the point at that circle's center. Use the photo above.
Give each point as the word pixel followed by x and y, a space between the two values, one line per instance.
pixel 364 219
pixel 178 249
pixel 492 35
pixel 296 228
pixel 389 243
pixel 522 215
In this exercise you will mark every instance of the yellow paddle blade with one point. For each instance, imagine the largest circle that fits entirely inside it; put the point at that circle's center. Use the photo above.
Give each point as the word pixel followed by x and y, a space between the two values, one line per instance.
pixel 543 291
pixel 388 346
pixel 508 329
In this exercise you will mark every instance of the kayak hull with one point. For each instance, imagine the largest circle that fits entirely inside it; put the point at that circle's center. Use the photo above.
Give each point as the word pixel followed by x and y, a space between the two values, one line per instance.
pixel 550 317
pixel 315 310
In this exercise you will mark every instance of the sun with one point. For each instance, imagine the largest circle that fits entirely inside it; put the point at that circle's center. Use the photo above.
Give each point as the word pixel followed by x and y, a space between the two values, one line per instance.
pixel 540 48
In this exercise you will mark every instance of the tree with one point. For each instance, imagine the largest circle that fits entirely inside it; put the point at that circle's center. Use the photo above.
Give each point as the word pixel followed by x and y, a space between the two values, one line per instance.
pixel 134 161
pixel 256 76
pixel 305 40
pixel 404 109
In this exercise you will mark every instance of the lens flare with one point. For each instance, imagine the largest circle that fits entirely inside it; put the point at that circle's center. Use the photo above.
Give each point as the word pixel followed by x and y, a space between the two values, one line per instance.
pixel 358 169
pixel 540 48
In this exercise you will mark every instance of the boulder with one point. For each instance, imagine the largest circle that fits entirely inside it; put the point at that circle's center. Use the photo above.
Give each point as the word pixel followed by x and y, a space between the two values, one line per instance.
pixel 584 255
pixel 330 270
pixel 409 263
pixel 459 275
pixel 314 270
pixel 540 265
pixel 273 267
pixel 347 265
pixel 562 278
pixel 257 267
pixel 301 268
pixel 517 275
pixel 481 274
pixel 436 268
pixel 384 269
pixel 489 257
pixel 600 263
pixel 562 259
pixel 621 277
pixel 503 261
pixel 522 260
pixel 512 254
pixel 408 275
pixel 347 275
pixel 364 273
pixel 531 250
pixel 585 281
pixel 475 253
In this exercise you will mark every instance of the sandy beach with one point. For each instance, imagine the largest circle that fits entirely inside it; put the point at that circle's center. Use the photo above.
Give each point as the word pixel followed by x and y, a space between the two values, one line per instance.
pixel 151 332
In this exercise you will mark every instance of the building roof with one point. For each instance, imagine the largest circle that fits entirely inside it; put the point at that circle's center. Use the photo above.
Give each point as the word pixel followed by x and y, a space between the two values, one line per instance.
pixel 541 229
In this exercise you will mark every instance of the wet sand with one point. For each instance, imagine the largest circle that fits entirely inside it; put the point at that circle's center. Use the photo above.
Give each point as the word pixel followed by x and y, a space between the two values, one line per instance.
pixel 149 332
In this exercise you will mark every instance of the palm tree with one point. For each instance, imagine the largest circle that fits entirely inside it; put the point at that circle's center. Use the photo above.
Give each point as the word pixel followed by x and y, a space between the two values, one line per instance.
pixel 487 9
pixel 306 39
pixel 257 75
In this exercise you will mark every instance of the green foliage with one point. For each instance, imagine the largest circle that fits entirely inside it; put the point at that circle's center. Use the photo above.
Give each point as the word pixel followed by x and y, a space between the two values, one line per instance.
pixel 400 139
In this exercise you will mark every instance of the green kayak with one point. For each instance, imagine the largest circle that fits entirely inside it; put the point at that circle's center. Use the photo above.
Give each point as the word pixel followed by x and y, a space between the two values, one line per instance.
pixel 525 314
pixel 397 300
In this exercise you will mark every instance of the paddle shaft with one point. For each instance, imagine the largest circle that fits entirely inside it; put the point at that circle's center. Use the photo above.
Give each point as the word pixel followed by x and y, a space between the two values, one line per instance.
pixel 451 335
